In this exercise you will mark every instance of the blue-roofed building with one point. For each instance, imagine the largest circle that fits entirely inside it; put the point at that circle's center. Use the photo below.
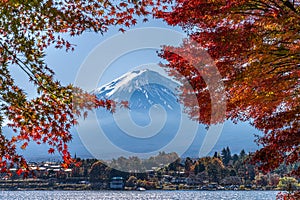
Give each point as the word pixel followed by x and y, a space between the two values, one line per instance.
pixel 117 183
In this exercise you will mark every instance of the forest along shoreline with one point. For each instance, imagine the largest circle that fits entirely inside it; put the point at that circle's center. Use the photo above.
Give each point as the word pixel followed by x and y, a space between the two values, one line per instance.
pixel 222 171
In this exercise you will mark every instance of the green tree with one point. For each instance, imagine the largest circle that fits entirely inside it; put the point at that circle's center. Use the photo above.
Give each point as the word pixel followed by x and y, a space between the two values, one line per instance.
pixel 99 172
pixel 235 158
pixel 199 167
pixel 175 166
pixel 242 153
pixel 214 168
pixel 226 155
pixel 232 172
pixel 188 164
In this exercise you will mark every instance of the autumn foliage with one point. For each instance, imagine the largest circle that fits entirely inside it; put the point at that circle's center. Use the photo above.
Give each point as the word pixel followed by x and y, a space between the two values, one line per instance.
pixel 255 45
pixel 27 29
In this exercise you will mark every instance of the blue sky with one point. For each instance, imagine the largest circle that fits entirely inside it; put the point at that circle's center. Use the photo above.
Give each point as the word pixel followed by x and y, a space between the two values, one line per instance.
pixel 66 65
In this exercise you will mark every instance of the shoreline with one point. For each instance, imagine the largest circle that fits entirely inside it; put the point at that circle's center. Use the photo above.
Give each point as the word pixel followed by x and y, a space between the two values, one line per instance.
pixel 56 185
pixel 88 187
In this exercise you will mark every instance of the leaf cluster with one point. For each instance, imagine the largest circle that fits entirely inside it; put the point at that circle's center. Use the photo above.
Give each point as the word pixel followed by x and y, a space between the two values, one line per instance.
pixel 255 46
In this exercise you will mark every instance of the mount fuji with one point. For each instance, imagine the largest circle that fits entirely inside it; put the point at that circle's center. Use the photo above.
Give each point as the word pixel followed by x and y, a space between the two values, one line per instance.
pixel 153 116
pixel 147 88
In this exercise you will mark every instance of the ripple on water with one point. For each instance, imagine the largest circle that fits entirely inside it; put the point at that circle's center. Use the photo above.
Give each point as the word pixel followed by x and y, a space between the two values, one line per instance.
pixel 143 195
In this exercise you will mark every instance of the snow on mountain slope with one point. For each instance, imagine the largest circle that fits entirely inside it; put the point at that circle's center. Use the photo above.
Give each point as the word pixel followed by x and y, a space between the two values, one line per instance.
pixel 142 88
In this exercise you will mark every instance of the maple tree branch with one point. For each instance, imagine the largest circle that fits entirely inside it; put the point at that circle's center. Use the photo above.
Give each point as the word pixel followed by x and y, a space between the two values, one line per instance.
pixel 30 74
pixel 2 99
pixel 17 59
pixel 277 5
pixel 263 4
pixel 288 4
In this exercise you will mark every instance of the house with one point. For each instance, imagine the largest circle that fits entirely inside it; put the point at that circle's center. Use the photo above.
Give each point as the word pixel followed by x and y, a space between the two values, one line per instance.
pixel 179 180
pixel 117 183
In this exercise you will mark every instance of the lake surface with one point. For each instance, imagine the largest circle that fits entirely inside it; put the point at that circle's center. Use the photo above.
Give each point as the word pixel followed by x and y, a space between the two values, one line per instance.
pixel 141 195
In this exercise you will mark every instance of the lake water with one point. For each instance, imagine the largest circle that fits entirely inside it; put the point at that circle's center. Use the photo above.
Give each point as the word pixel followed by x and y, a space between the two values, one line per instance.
pixel 141 195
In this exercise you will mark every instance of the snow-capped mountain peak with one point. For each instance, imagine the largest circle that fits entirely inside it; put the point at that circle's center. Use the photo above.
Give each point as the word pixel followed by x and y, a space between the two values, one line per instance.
pixel 136 80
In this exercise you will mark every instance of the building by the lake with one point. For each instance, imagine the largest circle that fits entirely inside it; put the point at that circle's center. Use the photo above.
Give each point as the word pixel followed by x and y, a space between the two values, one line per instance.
pixel 117 183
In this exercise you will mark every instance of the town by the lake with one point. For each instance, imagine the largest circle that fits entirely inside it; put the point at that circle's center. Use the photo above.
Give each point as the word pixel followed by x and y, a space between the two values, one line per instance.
pixel 165 171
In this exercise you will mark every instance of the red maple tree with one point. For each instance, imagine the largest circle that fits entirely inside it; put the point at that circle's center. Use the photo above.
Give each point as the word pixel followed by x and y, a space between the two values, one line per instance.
pixel 255 45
